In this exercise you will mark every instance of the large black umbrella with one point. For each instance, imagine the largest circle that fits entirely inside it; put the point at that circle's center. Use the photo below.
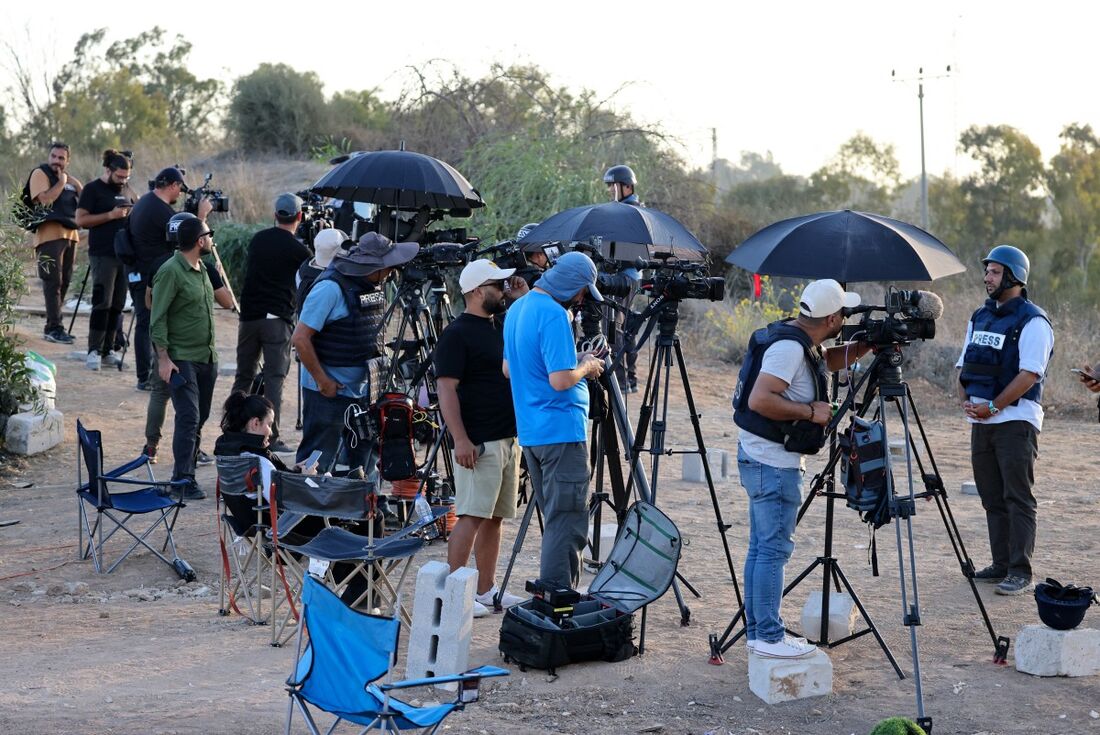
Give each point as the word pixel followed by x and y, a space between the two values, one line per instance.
pixel 400 179
pixel 846 246
pixel 627 231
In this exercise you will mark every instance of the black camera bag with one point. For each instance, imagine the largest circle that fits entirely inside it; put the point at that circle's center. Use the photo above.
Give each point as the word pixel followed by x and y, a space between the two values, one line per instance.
pixel 599 626
pixel 863 469
pixel 396 454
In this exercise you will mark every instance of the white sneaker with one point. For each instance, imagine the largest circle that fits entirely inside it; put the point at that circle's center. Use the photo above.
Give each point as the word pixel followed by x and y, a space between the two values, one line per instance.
pixel 480 611
pixel 789 647
pixel 92 361
pixel 111 359
pixel 506 600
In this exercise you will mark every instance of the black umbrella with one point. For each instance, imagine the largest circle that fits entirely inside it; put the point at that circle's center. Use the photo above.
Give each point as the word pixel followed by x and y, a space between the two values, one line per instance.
pixel 627 231
pixel 402 180
pixel 848 247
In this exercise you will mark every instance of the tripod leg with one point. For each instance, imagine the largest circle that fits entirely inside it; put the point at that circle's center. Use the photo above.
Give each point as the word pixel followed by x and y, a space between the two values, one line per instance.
pixel 521 534
pixel 83 285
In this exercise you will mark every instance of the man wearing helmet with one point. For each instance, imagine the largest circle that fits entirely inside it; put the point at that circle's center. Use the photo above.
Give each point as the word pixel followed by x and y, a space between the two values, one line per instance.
pixel 1009 341
pixel 620 182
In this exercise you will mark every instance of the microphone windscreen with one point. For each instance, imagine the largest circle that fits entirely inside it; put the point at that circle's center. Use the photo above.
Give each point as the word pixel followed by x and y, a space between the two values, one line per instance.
pixel 929 305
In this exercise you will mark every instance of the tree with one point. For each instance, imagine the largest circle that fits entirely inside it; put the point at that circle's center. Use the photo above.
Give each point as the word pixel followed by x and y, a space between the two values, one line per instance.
pixel 1073 181
pixel 862 175
pixel 276 109
pixel 1004 193
pixel 359 117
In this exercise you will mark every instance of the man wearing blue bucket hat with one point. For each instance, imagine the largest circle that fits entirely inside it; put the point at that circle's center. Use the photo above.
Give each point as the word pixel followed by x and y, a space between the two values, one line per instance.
pixel 551 401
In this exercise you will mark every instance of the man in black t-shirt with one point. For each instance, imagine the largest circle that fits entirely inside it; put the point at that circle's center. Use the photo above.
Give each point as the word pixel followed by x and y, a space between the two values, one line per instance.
pixel 267 307
pixel 104 204
pixel 148 227
pixel 476 401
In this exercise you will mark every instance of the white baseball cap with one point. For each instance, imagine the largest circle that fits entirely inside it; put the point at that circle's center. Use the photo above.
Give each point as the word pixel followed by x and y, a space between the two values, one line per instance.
pixel 478 272
pixel 825 297
pixel 325 245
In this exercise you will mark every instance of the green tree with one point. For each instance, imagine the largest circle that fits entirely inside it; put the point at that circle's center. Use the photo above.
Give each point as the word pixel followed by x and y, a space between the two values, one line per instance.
pixel 862 175
pixel 1073 181
pixel 1004 194
pixel 277 109
pixel 359 117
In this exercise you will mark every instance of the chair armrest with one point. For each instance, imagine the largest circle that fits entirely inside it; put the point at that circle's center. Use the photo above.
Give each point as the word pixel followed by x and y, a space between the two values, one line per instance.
pixel 143 483
pixel 481 672
pixel 128 467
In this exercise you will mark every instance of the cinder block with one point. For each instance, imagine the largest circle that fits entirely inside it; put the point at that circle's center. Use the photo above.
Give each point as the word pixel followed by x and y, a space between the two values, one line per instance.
pixel 227 368
pixel 1043 651
pixel 718 459
pixel 442 621
pixel 897 449
pixel 970 488
pixel 785 679
pixel 842 616
pixel 608 531
pixel 32 433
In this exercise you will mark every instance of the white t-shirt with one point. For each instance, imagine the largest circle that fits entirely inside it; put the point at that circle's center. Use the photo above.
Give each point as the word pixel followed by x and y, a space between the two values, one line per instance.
pixel 1036 343
pixel 785 360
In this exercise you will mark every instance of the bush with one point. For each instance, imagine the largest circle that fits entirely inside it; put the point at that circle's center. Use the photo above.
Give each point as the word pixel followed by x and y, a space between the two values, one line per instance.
pixel 233 239
pixel 277 109
pixel 15 385
pixel 725 327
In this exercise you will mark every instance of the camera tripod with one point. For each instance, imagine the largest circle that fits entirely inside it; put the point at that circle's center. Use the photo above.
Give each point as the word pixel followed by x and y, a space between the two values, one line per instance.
pixel 883 384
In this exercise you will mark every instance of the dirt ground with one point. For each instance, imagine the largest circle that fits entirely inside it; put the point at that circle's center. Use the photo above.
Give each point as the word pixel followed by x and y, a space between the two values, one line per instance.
pixel 137 652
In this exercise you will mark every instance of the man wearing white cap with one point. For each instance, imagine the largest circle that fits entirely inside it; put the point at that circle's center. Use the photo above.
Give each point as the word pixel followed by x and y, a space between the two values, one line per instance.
pixel 781 406
pixel 325 245
pixel 475 398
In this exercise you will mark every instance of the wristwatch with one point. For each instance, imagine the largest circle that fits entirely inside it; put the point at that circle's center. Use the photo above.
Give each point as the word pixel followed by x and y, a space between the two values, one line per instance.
pixel 993 410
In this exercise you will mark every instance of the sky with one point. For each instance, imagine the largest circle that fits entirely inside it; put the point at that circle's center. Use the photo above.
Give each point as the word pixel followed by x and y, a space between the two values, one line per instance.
pixel 793 78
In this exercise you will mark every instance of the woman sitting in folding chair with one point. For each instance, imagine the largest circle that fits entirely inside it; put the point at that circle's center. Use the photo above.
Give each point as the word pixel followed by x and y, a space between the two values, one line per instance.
pixel 246 430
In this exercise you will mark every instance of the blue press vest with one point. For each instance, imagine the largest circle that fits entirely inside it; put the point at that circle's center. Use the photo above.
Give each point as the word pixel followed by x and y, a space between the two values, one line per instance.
pixel 358 337
pixel 992 359
pixel 761 340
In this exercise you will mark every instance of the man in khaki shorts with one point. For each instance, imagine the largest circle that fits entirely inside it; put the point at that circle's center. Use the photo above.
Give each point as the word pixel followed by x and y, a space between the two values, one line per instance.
pixel 476 400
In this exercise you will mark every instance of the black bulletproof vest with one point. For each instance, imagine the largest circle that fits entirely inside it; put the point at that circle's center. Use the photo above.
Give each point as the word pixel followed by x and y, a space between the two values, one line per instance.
pixel 358 337
pixel 761 340
pixel 63 209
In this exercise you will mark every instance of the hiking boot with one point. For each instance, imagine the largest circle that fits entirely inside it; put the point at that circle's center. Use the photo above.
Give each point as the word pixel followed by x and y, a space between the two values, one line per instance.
pixel 1013 585
pixel 187 489
pixel 789 647
pixel 92 361
pixel 202 459
pixel 990 575
pixel 279 446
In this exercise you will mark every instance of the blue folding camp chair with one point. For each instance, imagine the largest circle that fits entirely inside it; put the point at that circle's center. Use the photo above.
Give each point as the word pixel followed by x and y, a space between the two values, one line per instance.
pixel 346 653
pixel 117 509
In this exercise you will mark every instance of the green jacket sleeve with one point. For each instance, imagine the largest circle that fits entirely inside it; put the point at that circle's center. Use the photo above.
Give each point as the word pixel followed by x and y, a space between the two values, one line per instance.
pixel 164 291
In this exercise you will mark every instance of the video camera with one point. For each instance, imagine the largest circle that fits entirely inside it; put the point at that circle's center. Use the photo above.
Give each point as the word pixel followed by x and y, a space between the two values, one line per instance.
pixel 609 279
pixel 316 216
pixel 909 315
pixel 677 280
pixel 430 260
pixel 216 197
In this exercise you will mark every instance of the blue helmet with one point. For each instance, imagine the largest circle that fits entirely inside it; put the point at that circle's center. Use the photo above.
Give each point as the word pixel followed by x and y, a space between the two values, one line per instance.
pixel 1011 258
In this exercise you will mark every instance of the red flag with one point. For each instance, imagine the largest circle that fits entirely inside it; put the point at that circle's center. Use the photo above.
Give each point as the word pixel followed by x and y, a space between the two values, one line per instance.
pixel 756 286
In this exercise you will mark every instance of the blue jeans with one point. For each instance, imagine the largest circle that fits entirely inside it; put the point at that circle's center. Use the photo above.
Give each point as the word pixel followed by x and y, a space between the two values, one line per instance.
pixel 775 495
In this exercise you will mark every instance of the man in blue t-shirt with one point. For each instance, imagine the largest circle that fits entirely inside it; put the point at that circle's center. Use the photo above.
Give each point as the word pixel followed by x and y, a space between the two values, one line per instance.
pixel 551 402
pixel 340 341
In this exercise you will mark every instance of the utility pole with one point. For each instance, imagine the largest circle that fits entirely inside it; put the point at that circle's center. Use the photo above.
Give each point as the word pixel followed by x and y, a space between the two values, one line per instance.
pixel 923 170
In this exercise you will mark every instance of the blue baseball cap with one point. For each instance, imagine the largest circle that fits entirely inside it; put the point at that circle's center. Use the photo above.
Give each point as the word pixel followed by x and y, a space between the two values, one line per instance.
pixel 571 272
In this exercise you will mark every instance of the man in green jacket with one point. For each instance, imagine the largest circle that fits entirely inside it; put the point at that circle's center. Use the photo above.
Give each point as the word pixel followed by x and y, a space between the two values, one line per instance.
pixel 182 331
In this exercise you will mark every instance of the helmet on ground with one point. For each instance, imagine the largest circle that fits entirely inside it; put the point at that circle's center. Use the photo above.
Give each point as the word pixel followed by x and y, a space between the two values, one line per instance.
pixel 620 175
pixel 1011 258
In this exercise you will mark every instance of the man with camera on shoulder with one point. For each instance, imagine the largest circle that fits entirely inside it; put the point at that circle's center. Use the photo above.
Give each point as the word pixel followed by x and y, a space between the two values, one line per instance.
pixel 551 403
pixel 781 407
pixel 340 341
pixel 1009 342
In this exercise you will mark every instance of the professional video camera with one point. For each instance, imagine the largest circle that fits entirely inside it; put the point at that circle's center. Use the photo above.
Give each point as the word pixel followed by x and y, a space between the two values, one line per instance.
pixel 676 279
pixel 449 235
pixel 910 315
pixel 431 259
pixel 216 197
pixel 316 216
pixel 609 277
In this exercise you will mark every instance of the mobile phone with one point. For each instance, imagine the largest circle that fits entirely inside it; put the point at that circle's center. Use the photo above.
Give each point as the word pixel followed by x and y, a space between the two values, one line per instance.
pixel 177 380
pixel 1083 374
pixel 311 461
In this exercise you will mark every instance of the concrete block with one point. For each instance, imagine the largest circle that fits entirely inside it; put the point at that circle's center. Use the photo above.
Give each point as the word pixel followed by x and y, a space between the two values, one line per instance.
pixel 608 531
pixel 32 433
pixel 785 679
pixel 718 459
pixel 227 368
pixel 1043 651
pixel 897 449
pixel 442 622
pixel 970 488
pixel 842 616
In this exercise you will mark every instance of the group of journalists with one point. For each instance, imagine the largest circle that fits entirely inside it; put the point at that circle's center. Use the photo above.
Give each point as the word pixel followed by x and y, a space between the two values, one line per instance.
pixel 510 380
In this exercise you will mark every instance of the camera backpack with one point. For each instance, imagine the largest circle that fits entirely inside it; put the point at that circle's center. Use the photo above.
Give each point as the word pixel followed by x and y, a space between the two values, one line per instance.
pixel 26 213
pixel 863 468
pixel 560 627
pixel 396 453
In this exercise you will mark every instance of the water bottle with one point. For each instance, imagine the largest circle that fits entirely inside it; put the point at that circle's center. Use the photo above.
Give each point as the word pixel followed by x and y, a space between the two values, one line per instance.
pixel 424 513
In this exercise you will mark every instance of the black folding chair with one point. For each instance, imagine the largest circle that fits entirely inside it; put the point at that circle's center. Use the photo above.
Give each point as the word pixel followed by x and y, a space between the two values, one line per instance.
pixel 246 552
pixel 115 509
